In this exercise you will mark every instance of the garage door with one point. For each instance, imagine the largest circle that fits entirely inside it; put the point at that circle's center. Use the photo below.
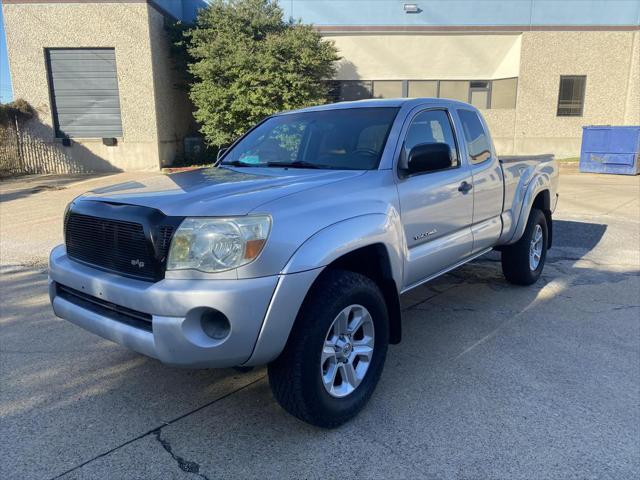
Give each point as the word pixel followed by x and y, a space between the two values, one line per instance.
pixel 84 92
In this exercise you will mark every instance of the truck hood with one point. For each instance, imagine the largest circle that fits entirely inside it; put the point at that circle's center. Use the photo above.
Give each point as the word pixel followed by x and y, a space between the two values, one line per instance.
pixel 217 191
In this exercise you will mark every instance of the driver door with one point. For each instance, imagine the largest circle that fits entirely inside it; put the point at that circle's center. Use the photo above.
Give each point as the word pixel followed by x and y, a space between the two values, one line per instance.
pixel 436 206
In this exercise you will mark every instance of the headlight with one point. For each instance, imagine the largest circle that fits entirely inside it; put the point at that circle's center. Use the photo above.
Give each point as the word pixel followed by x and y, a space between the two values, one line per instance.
pixel 217 244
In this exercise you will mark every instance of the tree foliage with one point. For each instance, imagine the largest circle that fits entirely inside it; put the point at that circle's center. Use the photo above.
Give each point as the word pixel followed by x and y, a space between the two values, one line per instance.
pixel 247 63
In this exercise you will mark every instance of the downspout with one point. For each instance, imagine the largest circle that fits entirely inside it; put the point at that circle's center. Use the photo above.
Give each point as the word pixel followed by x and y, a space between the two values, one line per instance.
pixel 633 63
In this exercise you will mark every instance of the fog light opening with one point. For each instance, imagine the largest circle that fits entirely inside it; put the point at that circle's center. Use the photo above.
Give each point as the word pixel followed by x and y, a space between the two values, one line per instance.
pixel 215 324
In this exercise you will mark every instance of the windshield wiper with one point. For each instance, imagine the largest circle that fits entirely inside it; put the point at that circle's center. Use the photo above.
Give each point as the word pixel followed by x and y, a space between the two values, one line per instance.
pixel 296 164
pixel 238 163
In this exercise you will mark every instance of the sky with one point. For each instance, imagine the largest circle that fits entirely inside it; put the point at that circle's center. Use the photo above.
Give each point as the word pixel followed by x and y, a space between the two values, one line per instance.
pixel 6 94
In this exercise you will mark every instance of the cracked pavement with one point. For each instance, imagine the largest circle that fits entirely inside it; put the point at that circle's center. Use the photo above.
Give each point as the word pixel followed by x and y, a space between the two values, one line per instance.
pixel 490 381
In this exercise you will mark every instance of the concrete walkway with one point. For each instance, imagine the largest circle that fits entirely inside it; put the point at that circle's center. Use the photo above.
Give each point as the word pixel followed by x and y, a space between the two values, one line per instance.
pixel 31 211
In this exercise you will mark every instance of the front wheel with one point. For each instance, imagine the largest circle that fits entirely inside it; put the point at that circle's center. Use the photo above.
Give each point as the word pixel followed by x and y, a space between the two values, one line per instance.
pixel 522 262
pixel 336 351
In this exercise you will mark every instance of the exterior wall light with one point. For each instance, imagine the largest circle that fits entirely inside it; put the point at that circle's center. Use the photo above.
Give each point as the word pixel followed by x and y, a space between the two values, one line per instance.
pixel 411 8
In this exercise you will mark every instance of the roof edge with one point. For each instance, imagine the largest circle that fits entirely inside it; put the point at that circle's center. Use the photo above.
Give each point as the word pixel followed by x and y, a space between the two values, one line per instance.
pixel 337 29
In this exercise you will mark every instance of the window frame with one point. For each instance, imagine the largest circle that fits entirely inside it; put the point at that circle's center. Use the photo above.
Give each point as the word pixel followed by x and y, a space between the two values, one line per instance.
pixel 487 89
pixel 409 80
pixel 401 172
pixel 515 96
pixel 403 88
pixel 582 101
pixel 334 87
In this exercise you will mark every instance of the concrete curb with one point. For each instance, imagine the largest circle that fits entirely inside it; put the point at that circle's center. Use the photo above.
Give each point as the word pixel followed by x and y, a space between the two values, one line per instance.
pixel 569 167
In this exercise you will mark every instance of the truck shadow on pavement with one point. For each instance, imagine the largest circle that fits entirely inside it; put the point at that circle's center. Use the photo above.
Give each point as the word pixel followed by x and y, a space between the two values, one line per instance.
pixel 20 187
pixel 481 360
pixel 578 235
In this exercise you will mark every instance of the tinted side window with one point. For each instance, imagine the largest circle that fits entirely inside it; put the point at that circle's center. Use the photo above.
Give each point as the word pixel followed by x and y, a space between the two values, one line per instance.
pixel 476 137
pixel 431 126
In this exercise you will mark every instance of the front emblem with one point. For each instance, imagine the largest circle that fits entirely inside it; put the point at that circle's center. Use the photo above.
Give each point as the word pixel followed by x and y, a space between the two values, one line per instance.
pixel 137 262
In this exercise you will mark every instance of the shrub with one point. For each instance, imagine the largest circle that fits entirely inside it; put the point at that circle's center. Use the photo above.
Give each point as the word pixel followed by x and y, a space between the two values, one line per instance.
pixel 19 110
pixel 247 63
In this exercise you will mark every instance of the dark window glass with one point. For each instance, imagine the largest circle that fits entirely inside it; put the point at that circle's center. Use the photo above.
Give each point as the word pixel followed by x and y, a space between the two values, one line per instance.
pixel 348 90
pixel 571 95
pixel 482 94
pixel 431 126
pixel 387 88
pixel 455 90
pixel 351 139
pixel 333 93
pixel 504 93
pixel 476 137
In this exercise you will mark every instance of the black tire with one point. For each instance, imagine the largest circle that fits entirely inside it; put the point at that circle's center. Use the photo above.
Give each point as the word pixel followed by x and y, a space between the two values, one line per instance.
pixel 295 376
pixel 515 258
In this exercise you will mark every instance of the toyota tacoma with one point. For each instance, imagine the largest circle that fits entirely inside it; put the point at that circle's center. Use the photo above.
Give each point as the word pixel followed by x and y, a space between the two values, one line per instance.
pixel 294 249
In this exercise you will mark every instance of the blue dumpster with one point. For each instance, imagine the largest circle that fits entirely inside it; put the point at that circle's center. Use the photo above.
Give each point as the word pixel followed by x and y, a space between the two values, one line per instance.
pixel 607 149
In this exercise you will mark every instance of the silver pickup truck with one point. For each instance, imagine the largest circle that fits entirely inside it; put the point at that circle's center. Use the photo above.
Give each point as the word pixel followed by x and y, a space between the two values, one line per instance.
pixel 294 250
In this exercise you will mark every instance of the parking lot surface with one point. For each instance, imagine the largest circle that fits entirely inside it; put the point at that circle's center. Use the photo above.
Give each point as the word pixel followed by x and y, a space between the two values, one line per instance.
pixel 490 381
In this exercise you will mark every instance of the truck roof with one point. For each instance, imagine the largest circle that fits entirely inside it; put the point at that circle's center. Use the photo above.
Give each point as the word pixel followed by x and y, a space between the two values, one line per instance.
pixel 384 102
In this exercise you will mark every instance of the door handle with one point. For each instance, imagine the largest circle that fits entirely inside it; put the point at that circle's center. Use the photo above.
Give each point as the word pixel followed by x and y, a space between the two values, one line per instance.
pixel 465 187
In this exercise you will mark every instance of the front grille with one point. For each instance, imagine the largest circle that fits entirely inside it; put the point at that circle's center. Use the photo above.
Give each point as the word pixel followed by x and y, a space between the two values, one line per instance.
pixel 116 245
pixel 110 310
pixel 166 233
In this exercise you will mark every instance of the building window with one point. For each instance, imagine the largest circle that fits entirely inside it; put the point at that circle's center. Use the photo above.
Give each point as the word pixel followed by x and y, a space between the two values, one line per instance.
pixel 83 84
pixel 480 94
pixel 503 93
pixel 422 88
pixel 387 88
pixel 348 90
pixel 454 90
pixel 483 94
pixel 571 95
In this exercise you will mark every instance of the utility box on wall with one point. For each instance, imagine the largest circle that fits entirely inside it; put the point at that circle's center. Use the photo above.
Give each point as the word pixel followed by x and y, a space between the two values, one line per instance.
pixel 608 149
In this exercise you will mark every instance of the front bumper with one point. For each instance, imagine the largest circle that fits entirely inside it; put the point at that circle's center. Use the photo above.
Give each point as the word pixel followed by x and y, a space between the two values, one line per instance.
pixel 176 336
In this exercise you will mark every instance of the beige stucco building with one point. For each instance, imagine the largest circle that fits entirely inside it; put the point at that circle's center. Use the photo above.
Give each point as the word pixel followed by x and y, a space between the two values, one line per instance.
pixel 513 76
pixel 154 115
pixel 539 70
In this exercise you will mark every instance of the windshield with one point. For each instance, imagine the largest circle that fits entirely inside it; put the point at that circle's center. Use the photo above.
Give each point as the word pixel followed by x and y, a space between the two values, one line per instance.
pixel 350 139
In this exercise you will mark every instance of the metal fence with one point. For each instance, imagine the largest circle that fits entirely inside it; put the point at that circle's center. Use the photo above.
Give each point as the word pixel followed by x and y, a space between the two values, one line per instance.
pixel 22 152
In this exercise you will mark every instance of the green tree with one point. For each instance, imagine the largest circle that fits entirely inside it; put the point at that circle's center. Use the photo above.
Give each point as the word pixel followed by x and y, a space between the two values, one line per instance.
pixel 247 62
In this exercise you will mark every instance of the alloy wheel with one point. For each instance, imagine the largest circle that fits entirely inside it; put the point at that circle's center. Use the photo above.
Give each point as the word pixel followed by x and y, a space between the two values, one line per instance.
pixel 347 351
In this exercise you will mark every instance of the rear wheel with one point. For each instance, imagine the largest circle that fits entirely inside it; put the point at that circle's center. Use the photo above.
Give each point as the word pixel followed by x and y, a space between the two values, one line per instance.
pixel 336 351
pixel 522 262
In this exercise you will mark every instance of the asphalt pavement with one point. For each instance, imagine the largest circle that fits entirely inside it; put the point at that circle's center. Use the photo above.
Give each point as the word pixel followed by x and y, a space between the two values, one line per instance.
pixel 490 381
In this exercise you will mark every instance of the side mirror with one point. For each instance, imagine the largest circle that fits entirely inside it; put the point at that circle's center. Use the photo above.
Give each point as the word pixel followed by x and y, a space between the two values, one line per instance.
pixel 429 157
